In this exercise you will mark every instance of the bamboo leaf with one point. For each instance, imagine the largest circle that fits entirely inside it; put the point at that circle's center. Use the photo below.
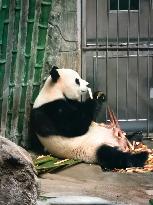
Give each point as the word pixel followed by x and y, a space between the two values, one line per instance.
pixel 49 164
pixel 44 159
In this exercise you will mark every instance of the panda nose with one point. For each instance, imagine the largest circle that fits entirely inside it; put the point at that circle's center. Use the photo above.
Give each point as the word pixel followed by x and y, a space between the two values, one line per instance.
pixel 86 83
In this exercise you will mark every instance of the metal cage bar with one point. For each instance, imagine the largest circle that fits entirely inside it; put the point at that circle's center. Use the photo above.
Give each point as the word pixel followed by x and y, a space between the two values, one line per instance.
pixel 121 51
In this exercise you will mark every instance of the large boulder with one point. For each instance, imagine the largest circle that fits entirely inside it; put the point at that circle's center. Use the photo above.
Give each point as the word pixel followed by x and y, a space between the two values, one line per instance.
pixel 18 182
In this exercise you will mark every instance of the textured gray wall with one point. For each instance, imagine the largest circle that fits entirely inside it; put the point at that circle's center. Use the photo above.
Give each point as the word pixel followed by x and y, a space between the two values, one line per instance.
pixel 63 41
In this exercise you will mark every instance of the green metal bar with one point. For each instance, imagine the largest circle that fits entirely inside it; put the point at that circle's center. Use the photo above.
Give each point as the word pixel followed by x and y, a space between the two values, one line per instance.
pixel 31 16
pixel 20 61
pixel 45 10
pixel 19 67
pixel 30 65
pixel 29 37
pixel 32 8
pixel 41 45
pixel 23 34
pixel 30 26
pixel 37 58
pixel 2 18
pixel 13 65
pixel 40 57
pixel 2 71
pixel 4 41
pixel 18 5
pixel 9 113
pixel 26 70
pixel 16 28
pixel 35 92
pixel 21 110
pixel 42 37
pixel 7 45
pixel 5 3
pixel 37 76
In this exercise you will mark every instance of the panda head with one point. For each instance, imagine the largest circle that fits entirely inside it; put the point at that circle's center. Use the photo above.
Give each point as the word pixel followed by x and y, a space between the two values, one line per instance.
pixel 62 83
pixel 68 82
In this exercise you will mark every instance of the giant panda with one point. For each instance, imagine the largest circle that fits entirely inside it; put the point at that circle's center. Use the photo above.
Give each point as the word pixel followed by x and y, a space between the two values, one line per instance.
pixel 64 124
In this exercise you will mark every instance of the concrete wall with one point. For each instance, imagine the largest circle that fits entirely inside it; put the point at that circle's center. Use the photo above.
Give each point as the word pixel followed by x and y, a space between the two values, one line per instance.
pixel 63 47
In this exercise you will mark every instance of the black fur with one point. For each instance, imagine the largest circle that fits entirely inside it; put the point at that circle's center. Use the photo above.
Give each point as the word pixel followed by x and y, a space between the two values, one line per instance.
pixel 111 157
pixel 77 81
pixel 100 108
pixel 63 117
pixel 54 74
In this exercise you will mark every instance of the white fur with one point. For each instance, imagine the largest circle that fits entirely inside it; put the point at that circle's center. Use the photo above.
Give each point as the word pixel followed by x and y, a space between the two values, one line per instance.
pixel 65 86
pixel 82 147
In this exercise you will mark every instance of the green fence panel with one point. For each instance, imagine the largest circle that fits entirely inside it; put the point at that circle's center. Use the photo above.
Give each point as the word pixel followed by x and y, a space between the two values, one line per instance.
pixel 23 35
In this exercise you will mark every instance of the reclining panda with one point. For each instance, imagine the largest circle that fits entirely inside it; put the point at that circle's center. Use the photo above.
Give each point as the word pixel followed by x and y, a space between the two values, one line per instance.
pixel 65 127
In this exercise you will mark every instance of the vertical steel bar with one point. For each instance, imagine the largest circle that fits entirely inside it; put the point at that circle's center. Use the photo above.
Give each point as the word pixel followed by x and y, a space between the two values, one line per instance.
pixel 107 36
pixel 117 60
pixel 148 96
pixel 96 23
pixel 93 81
pixel 148 70
pixel 83 37
pixel 79 31
pixel 137 80
pixel 127 67
pixel 83 40
pixel 96 62
pixel 128 30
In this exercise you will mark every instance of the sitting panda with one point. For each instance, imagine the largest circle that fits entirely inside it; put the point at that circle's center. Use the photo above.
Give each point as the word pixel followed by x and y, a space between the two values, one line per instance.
pixel 65 127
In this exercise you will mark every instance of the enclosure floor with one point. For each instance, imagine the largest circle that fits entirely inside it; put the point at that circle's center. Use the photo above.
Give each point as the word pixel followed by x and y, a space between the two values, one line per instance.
pixel 89 180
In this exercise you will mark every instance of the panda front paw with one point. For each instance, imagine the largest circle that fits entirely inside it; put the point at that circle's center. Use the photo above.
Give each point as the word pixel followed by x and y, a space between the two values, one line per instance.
pixel 99 96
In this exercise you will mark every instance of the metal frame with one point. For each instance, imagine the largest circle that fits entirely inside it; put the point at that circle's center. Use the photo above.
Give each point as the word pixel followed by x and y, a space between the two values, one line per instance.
pixel 139 48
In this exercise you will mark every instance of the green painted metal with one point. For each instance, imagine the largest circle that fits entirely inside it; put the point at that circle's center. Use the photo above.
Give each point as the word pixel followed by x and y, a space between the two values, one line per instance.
pixel 23 34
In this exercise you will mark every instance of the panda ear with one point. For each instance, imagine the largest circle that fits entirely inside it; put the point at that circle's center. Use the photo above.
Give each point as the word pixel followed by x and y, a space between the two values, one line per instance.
pixel 54 74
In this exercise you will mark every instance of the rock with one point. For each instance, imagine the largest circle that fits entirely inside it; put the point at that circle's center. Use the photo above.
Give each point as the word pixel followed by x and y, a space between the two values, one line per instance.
pixel 18 182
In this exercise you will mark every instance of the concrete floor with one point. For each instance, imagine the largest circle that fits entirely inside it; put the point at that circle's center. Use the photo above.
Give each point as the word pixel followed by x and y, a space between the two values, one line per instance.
pixel 89 180
pixel 85 180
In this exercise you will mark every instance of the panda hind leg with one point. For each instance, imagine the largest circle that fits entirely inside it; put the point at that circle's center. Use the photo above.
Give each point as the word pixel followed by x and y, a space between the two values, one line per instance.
pixel 111 157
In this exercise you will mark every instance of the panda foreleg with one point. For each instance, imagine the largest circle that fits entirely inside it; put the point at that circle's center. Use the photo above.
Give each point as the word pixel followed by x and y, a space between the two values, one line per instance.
pixel 111 157
pixel 98 106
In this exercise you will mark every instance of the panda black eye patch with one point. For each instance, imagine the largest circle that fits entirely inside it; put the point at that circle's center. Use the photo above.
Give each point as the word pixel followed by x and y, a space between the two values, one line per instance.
pixel 77 81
